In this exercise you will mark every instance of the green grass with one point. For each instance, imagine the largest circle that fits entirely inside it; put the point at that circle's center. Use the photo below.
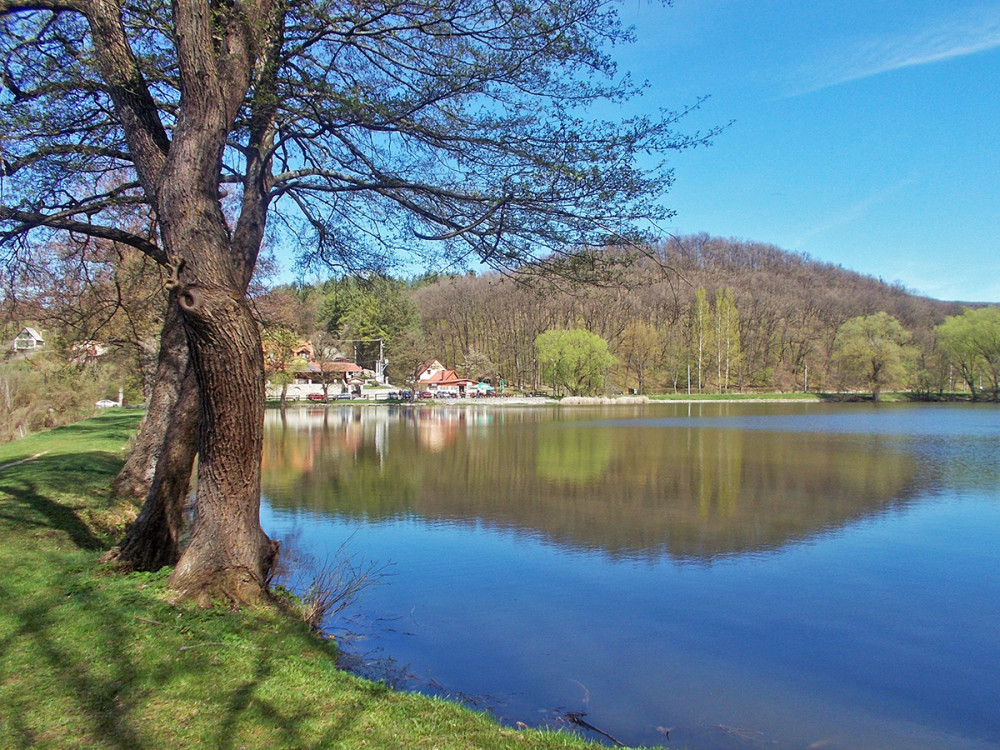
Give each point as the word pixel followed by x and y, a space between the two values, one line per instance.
pixel 885 397
pixel 92 659
pixel 737 397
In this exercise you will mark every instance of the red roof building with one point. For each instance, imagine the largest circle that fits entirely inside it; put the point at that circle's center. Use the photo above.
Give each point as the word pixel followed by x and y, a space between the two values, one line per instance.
pixel 444 380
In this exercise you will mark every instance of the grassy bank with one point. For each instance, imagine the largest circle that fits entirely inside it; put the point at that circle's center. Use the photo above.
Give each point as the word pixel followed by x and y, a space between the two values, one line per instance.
pixel 90 659
pixel 901 397
pixel 737 397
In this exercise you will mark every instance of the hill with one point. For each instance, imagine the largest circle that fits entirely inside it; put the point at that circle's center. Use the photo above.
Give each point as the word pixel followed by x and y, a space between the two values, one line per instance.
pixel 788 308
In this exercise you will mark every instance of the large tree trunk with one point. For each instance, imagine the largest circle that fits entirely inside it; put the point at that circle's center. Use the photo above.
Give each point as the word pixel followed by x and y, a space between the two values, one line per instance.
pixel 229 555
pixel 159 467
pixel 222 52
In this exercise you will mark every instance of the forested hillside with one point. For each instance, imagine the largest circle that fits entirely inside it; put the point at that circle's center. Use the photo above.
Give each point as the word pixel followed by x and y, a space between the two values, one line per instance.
pixel 703 312
pixel 768 316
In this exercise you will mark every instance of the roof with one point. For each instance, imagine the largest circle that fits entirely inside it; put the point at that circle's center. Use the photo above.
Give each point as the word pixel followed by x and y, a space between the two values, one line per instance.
pixel 334 367
pixel 27 338
pixel 428 364
pixel 440 376
pixel 446 377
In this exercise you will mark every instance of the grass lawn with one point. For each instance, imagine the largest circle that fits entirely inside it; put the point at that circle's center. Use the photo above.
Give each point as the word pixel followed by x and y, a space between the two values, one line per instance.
pixel 91 659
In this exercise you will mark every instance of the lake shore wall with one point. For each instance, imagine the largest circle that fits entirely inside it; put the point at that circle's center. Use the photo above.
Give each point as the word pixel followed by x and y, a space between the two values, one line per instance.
pixel 603 400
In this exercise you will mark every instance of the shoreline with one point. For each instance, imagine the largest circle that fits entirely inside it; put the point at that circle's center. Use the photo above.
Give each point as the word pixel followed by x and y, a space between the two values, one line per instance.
pixel 708 398
pixel 502 401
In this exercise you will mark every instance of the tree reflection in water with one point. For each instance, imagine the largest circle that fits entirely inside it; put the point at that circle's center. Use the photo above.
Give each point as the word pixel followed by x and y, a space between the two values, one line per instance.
pixel 644 486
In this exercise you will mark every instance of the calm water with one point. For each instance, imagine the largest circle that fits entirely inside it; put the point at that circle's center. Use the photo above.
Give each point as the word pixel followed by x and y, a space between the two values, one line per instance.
pixel 779 576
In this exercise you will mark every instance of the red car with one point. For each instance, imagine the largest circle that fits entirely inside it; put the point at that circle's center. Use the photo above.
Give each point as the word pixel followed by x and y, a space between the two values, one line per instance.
pixel 316 397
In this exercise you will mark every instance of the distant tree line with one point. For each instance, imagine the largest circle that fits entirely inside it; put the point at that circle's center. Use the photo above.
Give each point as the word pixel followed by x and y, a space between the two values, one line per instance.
pixel 696 312
pixel 715 315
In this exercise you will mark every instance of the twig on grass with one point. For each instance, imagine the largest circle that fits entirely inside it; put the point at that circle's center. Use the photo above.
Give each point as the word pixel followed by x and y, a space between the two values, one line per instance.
pixel 151 622
pixel 182 649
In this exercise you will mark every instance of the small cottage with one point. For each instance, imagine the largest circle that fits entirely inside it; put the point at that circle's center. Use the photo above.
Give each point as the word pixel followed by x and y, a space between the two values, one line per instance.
pixel 28 339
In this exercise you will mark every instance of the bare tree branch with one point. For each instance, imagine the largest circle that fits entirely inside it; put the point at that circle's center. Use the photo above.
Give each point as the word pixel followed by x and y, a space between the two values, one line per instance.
pixel 29 220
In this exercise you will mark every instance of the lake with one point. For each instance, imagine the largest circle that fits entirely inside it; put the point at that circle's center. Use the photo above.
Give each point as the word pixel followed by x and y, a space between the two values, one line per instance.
pixel 736 575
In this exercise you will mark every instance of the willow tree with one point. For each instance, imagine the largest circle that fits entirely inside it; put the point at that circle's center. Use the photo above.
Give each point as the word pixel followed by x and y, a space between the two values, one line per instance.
pixel 351 130
pixel 872 350
pixel 575 359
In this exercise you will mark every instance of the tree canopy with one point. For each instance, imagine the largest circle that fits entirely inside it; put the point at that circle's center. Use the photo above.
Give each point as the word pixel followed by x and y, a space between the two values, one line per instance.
pixel 368 125
pixel 971 342
pixel 872 349
pixel 576 360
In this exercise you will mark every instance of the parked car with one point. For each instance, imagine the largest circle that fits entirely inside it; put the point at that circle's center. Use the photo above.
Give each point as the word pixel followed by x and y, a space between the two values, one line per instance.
pixel 425 395
pixel 316 397
pixel 105 403
pixel 344 396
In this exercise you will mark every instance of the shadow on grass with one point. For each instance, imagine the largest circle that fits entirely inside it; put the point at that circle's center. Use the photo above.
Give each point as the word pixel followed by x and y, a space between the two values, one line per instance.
pixel 87 679
pixel 106 667
pixel 124 421
pixel 33 509
pixel 28 492
pixel 91 659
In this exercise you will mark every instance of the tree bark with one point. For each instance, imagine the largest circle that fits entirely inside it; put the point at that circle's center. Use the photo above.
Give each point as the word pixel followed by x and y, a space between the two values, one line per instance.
pixel 154 539
pixel 136 476
pixel 228 556
pixel 159 467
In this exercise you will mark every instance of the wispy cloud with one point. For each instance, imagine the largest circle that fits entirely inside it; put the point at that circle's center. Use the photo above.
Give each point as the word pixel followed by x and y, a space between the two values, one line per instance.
pixel 851 213
pixel 947 39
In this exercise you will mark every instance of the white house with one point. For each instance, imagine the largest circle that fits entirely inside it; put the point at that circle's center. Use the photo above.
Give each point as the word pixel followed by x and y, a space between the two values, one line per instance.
pixel 27 340
pixel 434 377
pixel 427 369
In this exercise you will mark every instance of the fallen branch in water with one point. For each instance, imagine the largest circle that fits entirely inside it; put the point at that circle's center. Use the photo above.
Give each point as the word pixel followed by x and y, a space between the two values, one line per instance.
pixel 577 718
pixel 743 734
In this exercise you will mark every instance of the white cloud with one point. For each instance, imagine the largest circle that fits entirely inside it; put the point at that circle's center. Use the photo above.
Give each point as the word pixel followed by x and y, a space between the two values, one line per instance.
pixel 946 39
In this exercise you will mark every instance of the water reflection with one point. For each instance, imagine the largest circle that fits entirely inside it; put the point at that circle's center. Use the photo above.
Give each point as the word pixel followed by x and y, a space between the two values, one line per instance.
pixel 774 576
pixel 628 487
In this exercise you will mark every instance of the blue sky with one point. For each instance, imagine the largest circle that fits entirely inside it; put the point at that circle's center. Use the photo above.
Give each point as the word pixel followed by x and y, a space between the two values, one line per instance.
pixel 865 133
